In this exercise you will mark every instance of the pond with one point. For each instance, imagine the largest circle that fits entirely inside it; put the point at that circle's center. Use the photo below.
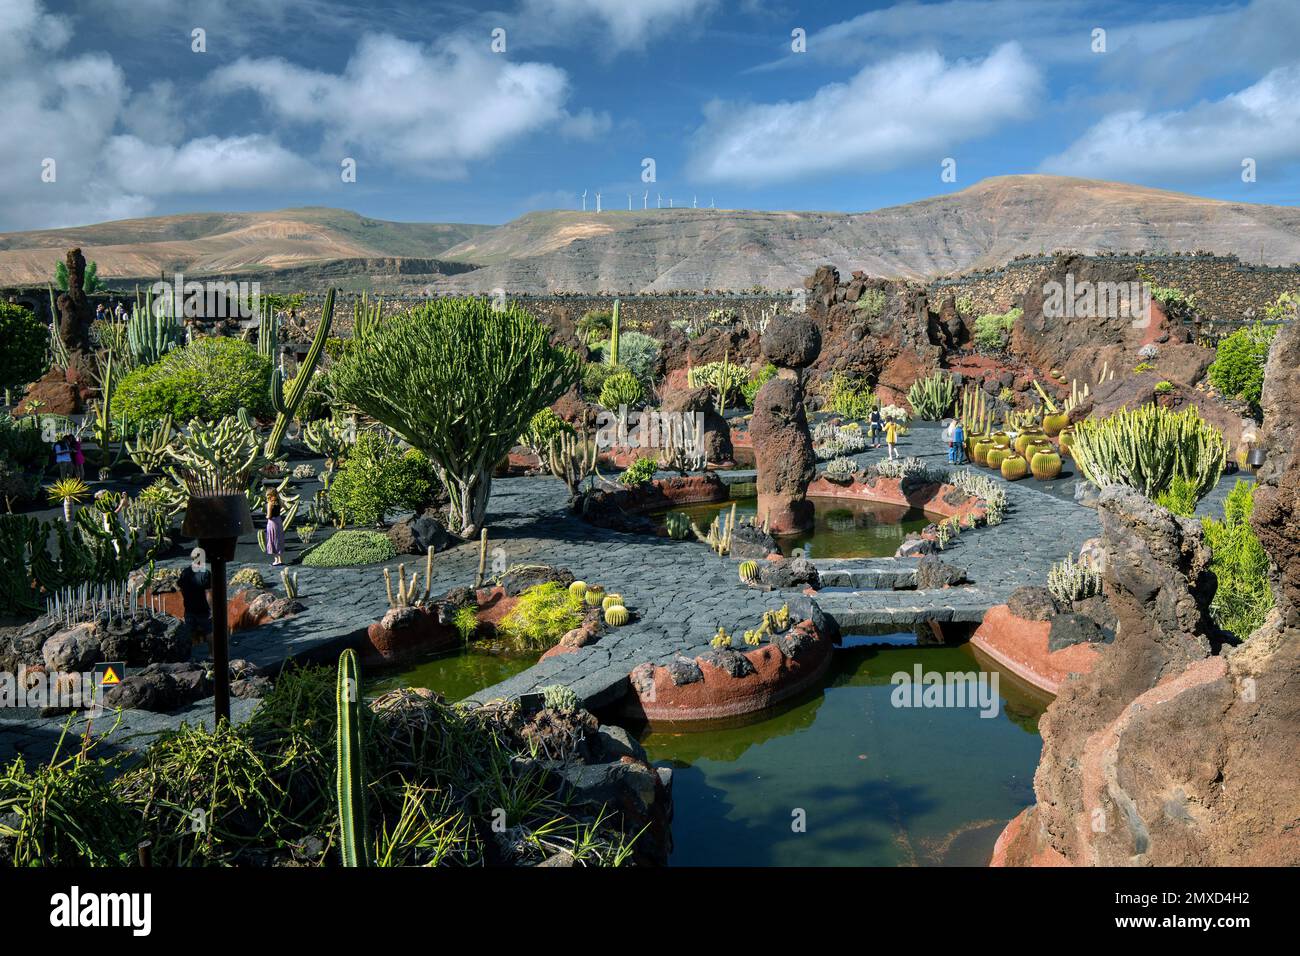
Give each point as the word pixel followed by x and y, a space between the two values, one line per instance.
pixel 455 674
pixel 872 784
pixel 843 529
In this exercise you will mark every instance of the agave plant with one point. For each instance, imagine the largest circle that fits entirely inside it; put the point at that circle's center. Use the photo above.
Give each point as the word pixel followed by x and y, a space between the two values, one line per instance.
pixel 68 491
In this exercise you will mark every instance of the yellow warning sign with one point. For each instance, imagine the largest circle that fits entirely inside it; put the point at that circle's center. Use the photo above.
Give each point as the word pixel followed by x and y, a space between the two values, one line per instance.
pixel 110 677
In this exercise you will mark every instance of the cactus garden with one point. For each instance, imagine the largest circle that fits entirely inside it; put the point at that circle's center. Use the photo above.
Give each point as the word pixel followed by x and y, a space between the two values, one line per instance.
pixel 713 517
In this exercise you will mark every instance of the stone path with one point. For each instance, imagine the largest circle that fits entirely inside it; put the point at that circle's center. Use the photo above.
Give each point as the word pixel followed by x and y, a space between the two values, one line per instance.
pixel 680 593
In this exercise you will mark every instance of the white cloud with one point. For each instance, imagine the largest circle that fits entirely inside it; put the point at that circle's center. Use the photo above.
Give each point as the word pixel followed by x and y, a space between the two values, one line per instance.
pixel 622 24
pixel 114 150
pixel 428 109
pixel 1261 121
pixel 906 109
pixel 207 164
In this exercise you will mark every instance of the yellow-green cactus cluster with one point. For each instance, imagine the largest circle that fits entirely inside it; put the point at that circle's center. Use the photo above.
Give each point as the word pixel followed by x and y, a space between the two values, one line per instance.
pixel 721 639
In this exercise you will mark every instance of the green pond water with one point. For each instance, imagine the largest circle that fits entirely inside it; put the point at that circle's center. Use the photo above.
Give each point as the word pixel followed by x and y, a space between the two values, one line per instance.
pixel 843 529
pixel 455 675
pixel 878 785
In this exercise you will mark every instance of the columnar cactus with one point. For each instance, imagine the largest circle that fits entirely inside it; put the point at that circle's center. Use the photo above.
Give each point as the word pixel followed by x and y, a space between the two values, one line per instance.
pixel 149 334
pixel 286 406
pixel 351 780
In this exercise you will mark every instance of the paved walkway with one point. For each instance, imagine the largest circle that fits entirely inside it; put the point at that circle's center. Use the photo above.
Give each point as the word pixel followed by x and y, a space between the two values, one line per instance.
pixel 679 592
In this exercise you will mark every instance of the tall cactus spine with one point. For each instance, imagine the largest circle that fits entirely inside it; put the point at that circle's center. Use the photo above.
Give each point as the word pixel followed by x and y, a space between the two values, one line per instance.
pixel 351 783
pixel 286 405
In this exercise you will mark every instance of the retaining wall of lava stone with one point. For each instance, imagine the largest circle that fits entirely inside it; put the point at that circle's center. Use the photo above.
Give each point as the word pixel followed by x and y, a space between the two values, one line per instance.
pixel 944 500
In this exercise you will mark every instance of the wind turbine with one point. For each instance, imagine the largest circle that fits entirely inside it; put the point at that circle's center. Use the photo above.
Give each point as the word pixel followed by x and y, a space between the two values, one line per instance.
pixel 694 204
pixel 670 202
pixel 629 202
pixel 710 202
pixel 659 200
pixel 584 200
pixel 645 200
pixel 597 202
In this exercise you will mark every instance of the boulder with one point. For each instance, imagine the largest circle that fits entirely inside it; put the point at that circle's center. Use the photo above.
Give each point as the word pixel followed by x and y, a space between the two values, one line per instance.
pixel 690 401
pixel 727 659
pixel 76 649
pixel 789 573
pixel 932 573
pixel 416 534
pixel 518 580
pixel 791 342
pixel 1032 603
pixel 683 670
pixel 749 541
pixel 1070 629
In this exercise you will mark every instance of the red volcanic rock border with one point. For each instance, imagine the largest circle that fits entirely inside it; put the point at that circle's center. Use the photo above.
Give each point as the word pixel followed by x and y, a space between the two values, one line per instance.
pixel 1020 646
pixel 944 500
pixel 718 695
pixel 1045 857
pixel 664 493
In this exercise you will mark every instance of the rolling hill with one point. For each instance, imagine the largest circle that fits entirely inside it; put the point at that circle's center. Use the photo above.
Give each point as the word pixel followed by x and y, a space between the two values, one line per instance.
pixel 223 243
pixel 983 225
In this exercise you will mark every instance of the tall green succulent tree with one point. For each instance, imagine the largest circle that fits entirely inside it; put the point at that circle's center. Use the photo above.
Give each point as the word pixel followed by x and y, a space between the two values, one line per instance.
pixel 286 401
pixel 459 380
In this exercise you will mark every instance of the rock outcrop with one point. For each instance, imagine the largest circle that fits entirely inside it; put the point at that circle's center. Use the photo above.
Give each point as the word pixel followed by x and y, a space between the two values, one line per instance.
pixel 783 450
pixel 1169 752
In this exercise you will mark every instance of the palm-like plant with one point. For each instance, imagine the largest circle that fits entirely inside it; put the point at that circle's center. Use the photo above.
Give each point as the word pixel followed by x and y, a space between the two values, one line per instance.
pixel 68 491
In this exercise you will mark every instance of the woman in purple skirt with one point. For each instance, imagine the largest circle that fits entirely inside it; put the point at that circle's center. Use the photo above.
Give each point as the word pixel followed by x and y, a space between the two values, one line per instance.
pixel 274 528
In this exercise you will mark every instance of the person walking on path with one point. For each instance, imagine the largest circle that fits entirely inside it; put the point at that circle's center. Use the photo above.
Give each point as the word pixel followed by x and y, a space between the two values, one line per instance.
pixel 891 439
pixel 274 528
pixel 877 423
pixel 948 428
pixel 958 443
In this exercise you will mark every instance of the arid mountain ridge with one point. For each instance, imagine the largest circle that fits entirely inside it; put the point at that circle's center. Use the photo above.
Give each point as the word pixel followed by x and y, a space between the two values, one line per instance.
pixel 982 226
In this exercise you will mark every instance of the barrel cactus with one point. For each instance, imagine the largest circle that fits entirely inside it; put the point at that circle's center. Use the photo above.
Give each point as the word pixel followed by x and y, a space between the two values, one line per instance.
pixel 981 449
pixel 611 599
pixel 1001 439
pixel 1064 439
pixel 1034 447
pixel 1053 422
pixel 578 589
pixel 594 595
pixel 748 571
pixel 1014 467
pixel 996 456
pixel 616 615
pixel 1024 438
pixel 678 525
pixel 1045 465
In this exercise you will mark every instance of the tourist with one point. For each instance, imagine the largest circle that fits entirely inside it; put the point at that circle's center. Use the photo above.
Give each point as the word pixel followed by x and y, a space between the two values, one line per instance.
pixel 78 457
pixel 63 455
pixel 120 312
pixel 101 314
pixel 274 527
pixel 947 436
pixel 877 424
pixel 891 438
pixel 194 586
pixel 958 443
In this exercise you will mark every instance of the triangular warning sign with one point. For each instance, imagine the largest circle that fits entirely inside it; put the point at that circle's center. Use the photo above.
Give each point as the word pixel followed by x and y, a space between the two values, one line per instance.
pixel 110 677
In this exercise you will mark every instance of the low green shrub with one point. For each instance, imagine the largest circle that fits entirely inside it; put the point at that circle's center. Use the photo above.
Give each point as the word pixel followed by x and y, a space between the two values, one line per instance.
pixel 848 397
pixel 25 338
pixel 749 390
pixel 543 614
pixel 593 379
pixel 210 378
pixel 345 548
pixel 1238 367
pixel 377 478
pixel 1244 597
pixel 993 330
pixel 639 472
pixel 1180 497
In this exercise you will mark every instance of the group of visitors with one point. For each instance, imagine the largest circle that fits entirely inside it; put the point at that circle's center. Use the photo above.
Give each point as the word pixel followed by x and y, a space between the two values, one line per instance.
pixel 889 429
pixel 69 459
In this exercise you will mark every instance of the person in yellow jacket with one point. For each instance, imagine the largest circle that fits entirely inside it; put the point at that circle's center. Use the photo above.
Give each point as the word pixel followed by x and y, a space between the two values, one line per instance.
pixel 891 438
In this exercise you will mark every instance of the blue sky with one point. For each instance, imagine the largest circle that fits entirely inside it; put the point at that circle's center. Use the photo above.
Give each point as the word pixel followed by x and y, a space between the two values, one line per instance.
pixel 443 128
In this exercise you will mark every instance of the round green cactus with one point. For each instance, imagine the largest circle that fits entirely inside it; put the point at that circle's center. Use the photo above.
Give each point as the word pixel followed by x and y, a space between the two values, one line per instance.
pixel 748 571
pixel 610 601
pixel 616 615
